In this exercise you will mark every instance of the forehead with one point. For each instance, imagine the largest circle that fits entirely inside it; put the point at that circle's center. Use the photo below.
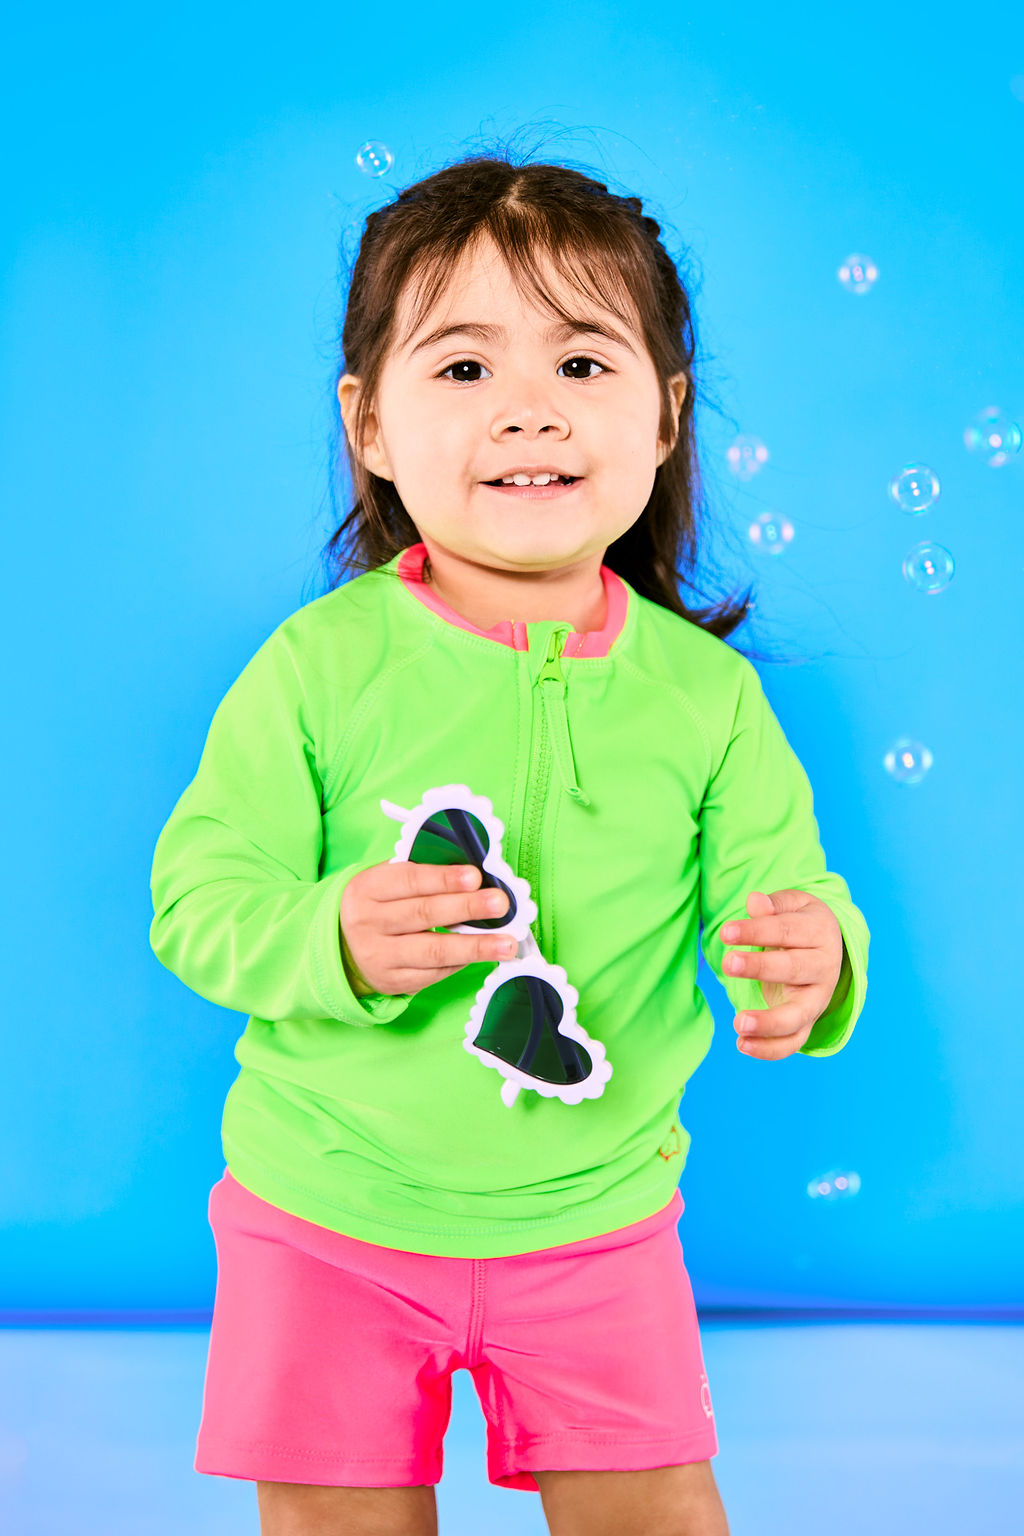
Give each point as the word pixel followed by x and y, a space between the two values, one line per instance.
pixel 480 274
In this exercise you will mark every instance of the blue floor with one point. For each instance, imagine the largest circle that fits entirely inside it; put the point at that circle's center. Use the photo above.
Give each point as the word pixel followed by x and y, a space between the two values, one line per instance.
pixel 855 1429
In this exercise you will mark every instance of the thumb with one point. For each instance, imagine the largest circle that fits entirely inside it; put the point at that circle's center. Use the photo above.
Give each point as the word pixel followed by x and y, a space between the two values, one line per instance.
pixel 760 904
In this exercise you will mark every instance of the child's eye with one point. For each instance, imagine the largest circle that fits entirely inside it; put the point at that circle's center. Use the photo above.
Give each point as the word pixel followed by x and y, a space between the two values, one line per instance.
pixel 469 362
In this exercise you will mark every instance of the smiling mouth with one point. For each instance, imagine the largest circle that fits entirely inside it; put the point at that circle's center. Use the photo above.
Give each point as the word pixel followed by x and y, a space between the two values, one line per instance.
pixel 555 480
pixel 553 488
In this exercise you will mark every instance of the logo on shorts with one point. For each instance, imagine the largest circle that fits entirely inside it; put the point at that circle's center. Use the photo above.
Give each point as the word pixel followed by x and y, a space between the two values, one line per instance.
pixel 670 1146
pixel 705 1397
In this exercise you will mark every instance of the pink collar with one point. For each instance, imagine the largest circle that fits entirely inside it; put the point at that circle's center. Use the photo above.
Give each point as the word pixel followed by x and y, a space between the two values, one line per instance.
pixel 513 632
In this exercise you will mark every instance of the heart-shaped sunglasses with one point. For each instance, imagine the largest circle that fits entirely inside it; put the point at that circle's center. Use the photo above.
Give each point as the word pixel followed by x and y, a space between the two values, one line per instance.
pixel 523 1022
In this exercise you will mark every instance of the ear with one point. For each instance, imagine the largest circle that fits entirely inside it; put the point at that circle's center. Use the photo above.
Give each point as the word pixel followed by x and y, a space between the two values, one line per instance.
pixel 370 452
pixel 677 386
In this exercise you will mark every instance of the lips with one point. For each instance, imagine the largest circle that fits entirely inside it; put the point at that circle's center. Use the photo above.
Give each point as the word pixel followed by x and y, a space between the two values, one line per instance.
pixel 536 492
pixel 560 479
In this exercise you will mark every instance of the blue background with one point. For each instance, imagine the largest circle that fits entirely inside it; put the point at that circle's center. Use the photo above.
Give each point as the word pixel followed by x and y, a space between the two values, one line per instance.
pixel 178 221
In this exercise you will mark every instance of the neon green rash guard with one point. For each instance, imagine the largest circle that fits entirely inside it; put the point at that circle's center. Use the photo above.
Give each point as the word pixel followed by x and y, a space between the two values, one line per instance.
pixel 645 787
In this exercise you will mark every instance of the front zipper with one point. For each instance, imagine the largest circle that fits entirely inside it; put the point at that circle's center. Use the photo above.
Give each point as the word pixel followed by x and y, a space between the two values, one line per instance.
pixel 552 684
pixel 553 733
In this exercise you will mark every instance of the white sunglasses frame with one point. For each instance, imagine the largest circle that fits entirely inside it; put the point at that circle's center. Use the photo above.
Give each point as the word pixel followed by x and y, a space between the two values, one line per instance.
pixel 528 962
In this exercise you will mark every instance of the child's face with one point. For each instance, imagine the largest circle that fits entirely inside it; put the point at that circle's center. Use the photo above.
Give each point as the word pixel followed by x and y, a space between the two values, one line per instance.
pixel 514 401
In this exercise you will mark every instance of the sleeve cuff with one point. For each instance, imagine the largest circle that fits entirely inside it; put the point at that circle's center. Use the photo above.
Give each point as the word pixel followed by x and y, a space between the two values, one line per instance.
pixel 831 1031
pixel 327 970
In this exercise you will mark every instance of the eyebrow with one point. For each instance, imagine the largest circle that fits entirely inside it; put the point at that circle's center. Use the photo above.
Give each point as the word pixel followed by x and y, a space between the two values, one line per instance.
pixel 495 333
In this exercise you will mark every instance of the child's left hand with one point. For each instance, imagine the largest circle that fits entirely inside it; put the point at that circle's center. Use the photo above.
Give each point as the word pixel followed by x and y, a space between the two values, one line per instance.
pixel 798 970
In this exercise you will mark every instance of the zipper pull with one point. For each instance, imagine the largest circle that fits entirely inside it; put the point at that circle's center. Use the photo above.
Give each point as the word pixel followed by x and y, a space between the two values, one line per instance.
pixel 551 681
pixel 551 671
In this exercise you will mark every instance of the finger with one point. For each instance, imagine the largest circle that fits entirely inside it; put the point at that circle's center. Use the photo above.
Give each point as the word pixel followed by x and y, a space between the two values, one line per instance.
pixel 784 1019
pixel 396 879
pixel 487 908
pixel 773 1049
pixel 447 953
pixel 800 967
pixel 797 930
pixel 414 897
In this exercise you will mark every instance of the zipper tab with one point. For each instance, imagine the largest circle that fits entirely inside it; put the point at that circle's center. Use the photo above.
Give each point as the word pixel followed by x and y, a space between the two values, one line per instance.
pixel 551 671
pixel 552 684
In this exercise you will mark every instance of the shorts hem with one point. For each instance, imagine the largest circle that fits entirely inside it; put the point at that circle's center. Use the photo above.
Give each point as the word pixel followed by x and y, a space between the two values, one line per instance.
pixel 517 1460
pixel 261 1461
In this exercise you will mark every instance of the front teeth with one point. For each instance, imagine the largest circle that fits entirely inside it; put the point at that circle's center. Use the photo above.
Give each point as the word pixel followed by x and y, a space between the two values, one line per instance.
pixel 525 480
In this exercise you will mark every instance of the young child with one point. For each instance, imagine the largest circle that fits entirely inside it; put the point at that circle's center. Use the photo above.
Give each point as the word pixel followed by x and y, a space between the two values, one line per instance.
pixel 386 1215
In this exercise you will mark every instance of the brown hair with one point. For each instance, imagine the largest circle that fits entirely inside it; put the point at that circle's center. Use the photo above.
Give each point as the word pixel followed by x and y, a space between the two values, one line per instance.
pixel 590 234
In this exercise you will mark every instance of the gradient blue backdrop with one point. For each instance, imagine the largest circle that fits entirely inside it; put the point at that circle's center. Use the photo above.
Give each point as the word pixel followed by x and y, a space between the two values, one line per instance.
pixel 176 189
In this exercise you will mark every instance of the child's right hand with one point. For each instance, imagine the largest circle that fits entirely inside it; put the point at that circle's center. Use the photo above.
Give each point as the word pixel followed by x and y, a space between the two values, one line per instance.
pixel 386 914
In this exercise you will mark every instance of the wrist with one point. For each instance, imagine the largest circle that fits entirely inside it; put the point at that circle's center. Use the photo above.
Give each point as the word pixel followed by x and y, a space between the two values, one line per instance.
pixel 360 986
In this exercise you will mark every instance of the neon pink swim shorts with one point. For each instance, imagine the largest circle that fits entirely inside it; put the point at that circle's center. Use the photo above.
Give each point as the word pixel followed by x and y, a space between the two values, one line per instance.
pixel 330 1359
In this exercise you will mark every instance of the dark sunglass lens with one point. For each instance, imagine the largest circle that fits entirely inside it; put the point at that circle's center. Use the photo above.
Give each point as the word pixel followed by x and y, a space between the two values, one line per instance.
pixel 451 837
pixel 458 837
pixel 520 1027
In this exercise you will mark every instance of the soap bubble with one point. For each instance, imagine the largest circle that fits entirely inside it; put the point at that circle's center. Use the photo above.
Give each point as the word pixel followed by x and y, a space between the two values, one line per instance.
pixel 837 1184
pixel 907 761
pixel 914 488
pixel 993 435
pixel 375 158
pixel 929 568
pixel 770 533
pixel 745 455
pixel 858 274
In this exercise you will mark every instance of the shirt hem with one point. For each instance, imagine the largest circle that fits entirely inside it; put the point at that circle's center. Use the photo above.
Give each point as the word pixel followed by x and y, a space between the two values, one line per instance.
pixel 441 1240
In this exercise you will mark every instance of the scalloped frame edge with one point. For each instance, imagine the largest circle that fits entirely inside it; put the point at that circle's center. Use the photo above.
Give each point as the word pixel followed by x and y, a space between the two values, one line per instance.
pixel 462 798
pixel 592 1085
pixel 533 963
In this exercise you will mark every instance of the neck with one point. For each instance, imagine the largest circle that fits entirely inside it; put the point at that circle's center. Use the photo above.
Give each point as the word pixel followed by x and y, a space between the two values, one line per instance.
pixel 487 597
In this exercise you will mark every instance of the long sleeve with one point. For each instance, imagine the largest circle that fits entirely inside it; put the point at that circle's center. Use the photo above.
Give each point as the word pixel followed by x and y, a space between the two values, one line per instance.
pixel 241 914
pixel 758 832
